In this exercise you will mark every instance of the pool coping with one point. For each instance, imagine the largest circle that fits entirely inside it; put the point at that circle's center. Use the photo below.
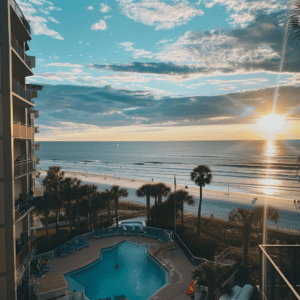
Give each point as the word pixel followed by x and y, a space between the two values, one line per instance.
pixel 102 250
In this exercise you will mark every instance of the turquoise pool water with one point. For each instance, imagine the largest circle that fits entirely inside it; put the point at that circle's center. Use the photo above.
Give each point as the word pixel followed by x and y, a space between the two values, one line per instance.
pixel 139 277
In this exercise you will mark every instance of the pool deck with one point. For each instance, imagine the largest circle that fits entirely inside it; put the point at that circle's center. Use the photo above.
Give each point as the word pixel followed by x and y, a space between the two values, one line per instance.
pixel 179 267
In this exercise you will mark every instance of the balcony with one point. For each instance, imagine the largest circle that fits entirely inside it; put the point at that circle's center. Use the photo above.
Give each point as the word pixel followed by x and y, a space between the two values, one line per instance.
pixel 22 131
pixel 20 90
pixel 20 15
pixel 36 129
pixel 37 189
pixel 23 167
pixel 23 205
pixel 280 272
pixel 34 113
pixel 29 60
pixel 24 255
pixel 35 146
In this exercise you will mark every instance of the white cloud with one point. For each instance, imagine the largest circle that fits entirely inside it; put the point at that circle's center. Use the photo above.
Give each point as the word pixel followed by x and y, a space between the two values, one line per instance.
pixel 104 8
pixel 243 11
pixel 164 41
pixel 159 14
pixel 38 23
pixel 90 8
pixel 53 20
pixel 80 42
pixel 66 65
pixel 101 25
pixel 136 53
pixel 107 17
pixel 87 44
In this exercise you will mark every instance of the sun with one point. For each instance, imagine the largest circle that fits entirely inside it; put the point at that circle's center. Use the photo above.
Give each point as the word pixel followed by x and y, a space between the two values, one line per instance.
pixel 271 123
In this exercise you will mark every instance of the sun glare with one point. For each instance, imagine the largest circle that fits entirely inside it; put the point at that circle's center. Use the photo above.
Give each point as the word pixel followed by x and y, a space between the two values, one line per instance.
pixel 271 123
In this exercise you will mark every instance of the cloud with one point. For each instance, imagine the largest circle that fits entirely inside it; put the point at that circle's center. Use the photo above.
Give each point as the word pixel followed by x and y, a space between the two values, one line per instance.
pixel 104 8
pixel 160 14
pixel 109 106
pixel 101 25
pixel 66 65
pixel 53 20
pixel 244 11
pixel 107 17
pixel 90 8
pixel 38 23
pixel 136 53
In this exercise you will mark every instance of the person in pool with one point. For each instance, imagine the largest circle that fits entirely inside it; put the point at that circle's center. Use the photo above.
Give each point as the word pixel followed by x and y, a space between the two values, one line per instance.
pixel 117 266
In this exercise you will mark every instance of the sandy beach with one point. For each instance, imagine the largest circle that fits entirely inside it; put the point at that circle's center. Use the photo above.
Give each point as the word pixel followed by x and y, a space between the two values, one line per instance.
pixel 208 194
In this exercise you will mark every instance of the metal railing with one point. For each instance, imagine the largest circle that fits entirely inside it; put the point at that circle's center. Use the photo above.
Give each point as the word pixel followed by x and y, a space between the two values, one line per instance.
pixel 23 206
pixel 20 90
pixel 24 168
pixel 23 131
pixel 279 274
pixel 21 16
pixel 26 249
pixel 24 263
pixel 29 60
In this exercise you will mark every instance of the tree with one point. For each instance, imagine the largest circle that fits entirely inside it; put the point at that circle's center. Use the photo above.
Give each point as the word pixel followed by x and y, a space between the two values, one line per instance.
pixel 107 197
pixel 292 26
pixel 211 276
pixel 201 175
pixel 163 215
pixel 69 189
pixel 250 218
pixel 146 191
pixel 79 193
pixel 53 184
pixel 89 190
pixel 118 193
pixel 44 205
pixel 98 203
pixel 161 190
pixel 181 197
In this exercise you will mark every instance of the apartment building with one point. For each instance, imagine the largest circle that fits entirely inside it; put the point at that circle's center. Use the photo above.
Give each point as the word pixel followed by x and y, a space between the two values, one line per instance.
pixel 18 185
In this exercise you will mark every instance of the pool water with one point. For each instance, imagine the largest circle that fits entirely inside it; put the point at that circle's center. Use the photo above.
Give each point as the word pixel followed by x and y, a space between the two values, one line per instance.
pixel 139 276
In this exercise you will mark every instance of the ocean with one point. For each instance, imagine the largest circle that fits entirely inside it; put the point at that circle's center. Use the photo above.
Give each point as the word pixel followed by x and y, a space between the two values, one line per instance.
pixel 256 167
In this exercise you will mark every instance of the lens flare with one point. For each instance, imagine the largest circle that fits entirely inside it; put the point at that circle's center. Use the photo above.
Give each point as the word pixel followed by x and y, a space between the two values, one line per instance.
pixel 271 123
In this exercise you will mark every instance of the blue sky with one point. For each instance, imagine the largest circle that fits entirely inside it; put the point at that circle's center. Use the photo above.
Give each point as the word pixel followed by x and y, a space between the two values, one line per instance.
pixel 154 69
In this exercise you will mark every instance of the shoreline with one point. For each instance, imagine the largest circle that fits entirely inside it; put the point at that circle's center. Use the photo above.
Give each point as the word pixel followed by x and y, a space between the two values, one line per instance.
pixel 208 194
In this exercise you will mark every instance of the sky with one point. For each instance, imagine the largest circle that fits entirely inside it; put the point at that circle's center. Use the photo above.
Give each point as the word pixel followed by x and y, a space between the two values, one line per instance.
pixel 135 70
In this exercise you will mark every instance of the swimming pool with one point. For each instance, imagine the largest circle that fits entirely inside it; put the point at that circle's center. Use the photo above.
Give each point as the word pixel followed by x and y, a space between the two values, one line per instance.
pixel 132 223
pixel 139 277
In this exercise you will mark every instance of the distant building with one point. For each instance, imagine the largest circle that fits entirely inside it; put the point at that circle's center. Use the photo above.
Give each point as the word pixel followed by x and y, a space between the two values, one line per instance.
pixel 18 185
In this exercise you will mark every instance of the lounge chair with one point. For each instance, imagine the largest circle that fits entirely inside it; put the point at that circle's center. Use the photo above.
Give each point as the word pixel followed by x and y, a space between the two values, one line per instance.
pixel 114 231
pixel 129 230
pixel 97 233
pixel 147 231
pixel 121 230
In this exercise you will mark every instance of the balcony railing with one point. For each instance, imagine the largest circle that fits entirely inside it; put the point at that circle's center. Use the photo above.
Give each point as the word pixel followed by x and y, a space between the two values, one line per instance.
pixel 20 90
pixel 22 168
pixel 36 129
pixel 23 131
pixel 35 146
pixel 19 13
pixel 25 250
pixel 29 60
pixel 280 267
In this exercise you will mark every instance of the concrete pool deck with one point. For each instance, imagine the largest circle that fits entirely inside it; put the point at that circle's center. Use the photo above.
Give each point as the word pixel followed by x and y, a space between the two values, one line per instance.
pixel 179 267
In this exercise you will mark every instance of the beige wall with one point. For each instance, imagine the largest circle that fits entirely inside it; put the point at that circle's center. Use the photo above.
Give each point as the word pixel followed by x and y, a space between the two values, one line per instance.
pixel 19 228
pixel 18 187
pixel 19 115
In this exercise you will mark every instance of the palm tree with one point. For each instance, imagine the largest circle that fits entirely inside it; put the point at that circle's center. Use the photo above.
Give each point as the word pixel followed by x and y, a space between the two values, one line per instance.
pixel 292 26
pixel 44 205
pixel 201 175
pixel 78 196
pixel 181 197
pixel 117 194
pixel 161 190
pixel 69 190
pixel 89 190
pixel 146 191
pixel 98 203
pixel 212 276
pixel 52 183
pixel 107 196
pixel 250 218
